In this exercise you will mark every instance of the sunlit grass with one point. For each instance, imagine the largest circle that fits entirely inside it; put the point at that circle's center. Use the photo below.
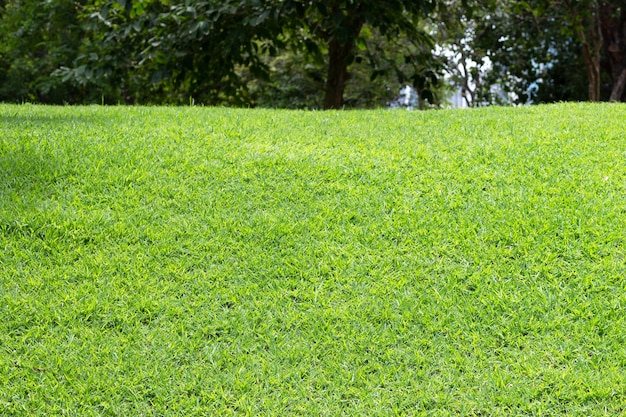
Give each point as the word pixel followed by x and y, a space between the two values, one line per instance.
pixel 195 261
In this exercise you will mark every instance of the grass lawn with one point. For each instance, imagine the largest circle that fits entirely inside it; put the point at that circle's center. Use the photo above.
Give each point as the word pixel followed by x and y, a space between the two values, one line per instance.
pixel 216 262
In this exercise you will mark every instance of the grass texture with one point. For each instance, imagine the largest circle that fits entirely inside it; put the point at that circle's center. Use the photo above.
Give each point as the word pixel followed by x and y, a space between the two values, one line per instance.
pixel 232 262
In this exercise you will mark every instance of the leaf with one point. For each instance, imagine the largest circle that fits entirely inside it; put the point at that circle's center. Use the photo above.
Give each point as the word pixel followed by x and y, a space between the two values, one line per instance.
pixel 376 74
pixel 312 47
pixel 361 44
pixel 257 20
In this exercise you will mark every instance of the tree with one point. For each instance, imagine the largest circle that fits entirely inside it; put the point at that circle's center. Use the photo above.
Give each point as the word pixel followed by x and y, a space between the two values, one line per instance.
pixel 174 52
pixel 595 29
pixel 398 61
pixel 380 68
pixel 335 27
pixel 531 52
pixel 583 20
pixel 198 48
pixel 294 81
pixel 37 37
pixel 600 26
pixel 208 51
pixel 612 17
pixel 466 62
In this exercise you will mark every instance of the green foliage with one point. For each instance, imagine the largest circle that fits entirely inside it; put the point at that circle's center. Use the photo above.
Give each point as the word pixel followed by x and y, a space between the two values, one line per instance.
pixel 532 57
pixel 385 65
pixel 379 69
pixel 294 81
pixel 310 54
pixel 37 37
pixel 546 51
pixel 108 66
pixel 198 46
pixel 208 261
pixel 161 52
pixel 166 52
pixel 336 27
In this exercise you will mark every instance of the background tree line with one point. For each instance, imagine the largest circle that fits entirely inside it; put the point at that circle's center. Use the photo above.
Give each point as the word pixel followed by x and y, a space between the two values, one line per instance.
pixel 311 53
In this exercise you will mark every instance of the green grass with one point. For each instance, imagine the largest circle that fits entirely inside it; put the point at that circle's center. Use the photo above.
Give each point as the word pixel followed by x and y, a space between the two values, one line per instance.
pixel 203 261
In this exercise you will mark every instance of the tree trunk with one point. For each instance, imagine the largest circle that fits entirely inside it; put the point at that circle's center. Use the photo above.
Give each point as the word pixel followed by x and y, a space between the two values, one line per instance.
pixel 613 22
pixel 338 58
pixel 592 64
pixel 591 44
pixel 618 87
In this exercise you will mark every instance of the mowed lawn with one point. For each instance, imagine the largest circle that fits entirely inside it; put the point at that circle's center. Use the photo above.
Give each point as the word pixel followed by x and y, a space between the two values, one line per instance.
pixel 229 262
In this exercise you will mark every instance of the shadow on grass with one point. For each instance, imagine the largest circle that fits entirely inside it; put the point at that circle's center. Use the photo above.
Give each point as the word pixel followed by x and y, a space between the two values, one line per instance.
pixel 27 172
pixel 31 158
pixel 21 118
pixel 31 154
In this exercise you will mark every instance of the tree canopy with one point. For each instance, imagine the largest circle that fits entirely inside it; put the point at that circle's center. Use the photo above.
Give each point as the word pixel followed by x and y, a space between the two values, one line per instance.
pixel 311 53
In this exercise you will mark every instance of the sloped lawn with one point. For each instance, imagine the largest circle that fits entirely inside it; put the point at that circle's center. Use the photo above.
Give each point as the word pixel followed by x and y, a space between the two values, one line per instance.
pixel 204 261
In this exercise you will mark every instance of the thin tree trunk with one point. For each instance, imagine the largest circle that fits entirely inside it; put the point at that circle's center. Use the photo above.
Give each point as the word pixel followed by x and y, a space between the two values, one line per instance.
pixel 613 22
pixel 593 72
pixel 618 87
pixel 591 45
pixel 465 88
pixel 338 58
